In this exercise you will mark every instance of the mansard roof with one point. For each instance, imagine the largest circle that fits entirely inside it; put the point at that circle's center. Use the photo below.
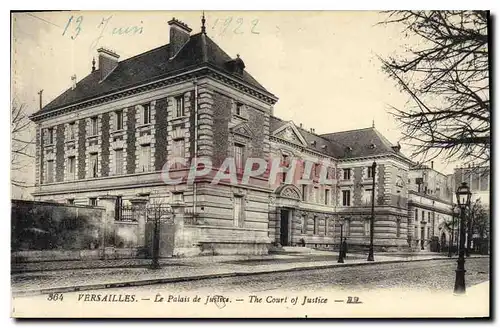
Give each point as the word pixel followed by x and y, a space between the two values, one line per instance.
pixel 345 144
pixel 314 141
pixel 362 143
pixel 199 51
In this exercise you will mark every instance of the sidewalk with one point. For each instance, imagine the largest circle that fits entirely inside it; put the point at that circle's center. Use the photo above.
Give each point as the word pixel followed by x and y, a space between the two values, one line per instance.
pixel 109 274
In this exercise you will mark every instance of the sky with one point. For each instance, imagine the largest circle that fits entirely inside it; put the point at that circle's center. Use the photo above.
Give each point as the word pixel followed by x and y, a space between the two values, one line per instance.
pixel 322 65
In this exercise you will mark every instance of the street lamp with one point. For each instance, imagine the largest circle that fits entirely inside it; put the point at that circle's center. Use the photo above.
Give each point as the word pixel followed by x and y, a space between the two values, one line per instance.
pixel 450 252
pixel 463 200
pixel 469 229
pixel 370 252
pixel 341 253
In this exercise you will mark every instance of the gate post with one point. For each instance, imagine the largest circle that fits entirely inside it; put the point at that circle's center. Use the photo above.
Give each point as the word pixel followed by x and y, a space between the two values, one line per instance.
pixel 139 206
pixel 178 216
pixel 108 225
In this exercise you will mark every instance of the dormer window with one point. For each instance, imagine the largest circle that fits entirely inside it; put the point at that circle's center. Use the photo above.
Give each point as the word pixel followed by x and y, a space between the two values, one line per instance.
pixel 236 65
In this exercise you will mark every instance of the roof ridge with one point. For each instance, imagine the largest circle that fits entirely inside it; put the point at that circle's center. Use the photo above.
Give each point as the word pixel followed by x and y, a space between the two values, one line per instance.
pixel 330 133
pixel 144 53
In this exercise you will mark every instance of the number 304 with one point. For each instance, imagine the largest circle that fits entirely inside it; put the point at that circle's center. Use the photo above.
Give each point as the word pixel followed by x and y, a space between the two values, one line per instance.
pixel 55 297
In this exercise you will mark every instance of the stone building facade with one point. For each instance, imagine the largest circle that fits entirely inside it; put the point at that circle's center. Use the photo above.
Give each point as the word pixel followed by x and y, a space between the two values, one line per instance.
pixel 430 206
pixel 111 135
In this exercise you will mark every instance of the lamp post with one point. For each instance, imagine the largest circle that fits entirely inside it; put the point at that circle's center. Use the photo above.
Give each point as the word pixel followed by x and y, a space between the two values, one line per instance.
pixel 469 230
pixel 341 253
pixel 463 200
pixel 450 252
pixel 370 252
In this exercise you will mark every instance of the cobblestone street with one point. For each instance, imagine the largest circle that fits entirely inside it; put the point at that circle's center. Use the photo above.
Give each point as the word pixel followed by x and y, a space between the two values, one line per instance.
pixel 418 275
pixel 423 276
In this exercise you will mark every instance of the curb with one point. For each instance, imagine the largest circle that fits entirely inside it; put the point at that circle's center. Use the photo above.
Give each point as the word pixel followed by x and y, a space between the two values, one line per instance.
pixel 203 277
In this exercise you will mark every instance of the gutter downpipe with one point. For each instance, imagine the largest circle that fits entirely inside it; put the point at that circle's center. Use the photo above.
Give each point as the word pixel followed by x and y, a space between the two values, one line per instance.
pixel 195 152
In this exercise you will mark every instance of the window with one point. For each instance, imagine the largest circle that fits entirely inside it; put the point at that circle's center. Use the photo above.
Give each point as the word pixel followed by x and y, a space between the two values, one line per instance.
pixel 118 208
pixel 93 126
pixel 50 171
pixel 178 151
pixel 119 161
pixel 347 174
pixel 119 120
pixel 346 198
pixel 367 226
pixel 398 227
pixel 317 170
pixel 284 163
pixel 428 232
pixel 329 173
pixel 239 109
pixel 428 216
pixel 71 131
pixel 145 159
pixel 238 156
pixel 93 201
pixel 370 172
pixel 416 215
pixel 423 215
pixel 179 106
pixel 327 223
pixel 71 201
pixel 327 196
pixel 304 224
pixel 71 167
pixel 237 207
pixel 316 194
pixel 316 225
pixel 50 135
pixel 367 196
pixel 146 114
pixel 93 165
pixel 304 192
pixel 179 148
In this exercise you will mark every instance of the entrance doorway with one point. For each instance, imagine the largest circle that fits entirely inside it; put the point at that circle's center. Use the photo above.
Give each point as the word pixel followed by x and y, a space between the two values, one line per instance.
pixel 285 227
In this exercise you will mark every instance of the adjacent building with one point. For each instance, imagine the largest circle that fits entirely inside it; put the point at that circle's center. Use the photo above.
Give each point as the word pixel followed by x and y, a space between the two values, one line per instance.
pixel 430 207
pixel 110 135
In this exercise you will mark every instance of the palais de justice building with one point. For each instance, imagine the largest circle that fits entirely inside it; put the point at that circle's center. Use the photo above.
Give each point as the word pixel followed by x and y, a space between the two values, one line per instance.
pixel 111 133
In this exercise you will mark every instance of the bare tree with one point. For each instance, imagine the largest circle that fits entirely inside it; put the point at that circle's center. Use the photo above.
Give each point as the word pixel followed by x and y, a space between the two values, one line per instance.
pixel 21 142
pixel 444 71
pixel 479 214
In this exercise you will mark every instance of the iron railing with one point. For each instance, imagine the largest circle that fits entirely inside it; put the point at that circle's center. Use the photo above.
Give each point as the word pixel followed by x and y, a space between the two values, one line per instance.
pixel 125 213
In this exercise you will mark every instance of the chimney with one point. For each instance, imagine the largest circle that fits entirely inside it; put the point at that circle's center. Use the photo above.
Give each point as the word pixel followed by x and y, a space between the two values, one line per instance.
pixel 179 36
pixel 300 125
pixel 108 60
pixel 73 82
pixel 432 164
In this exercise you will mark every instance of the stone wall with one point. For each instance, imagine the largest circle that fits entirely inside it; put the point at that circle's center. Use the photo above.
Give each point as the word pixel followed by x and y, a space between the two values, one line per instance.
pixel 50 226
